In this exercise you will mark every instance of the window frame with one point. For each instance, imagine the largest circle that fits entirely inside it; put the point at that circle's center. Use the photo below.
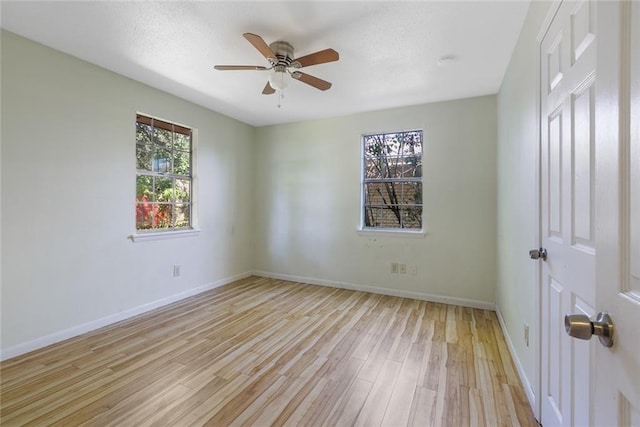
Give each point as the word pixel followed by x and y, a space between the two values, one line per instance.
pixel 389 231
pixel 175 128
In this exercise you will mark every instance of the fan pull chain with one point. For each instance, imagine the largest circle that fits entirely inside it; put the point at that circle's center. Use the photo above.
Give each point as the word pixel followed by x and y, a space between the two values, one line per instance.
pixel 280 97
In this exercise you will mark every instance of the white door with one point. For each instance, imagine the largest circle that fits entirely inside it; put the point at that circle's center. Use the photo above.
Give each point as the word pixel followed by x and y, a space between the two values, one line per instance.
pixel 567 94
pixel 616 393
pixel 590 211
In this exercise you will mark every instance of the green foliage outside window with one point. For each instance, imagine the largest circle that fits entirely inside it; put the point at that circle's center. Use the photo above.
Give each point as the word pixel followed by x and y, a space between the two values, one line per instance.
pixel 163 179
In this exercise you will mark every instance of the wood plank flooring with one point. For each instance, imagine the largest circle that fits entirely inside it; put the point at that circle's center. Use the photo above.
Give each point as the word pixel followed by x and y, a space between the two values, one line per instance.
pixel 262 352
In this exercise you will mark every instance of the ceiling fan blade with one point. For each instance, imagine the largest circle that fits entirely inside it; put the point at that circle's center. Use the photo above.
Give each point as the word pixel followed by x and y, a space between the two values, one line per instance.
pixel 261 45
pixel 311 80
pixel 268 90
pixel 240 67
pixel 320 57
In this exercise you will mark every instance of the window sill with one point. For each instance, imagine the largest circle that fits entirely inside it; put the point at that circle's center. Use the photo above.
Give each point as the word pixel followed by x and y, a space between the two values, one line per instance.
pixel 163 235
pixel 419 234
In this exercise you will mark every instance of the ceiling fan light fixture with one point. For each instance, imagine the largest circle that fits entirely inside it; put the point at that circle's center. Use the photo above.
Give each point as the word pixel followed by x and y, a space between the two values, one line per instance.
pixel 278 81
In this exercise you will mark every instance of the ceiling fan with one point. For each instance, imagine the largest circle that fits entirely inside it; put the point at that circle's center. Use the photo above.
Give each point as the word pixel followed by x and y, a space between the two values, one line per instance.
pixel 281 60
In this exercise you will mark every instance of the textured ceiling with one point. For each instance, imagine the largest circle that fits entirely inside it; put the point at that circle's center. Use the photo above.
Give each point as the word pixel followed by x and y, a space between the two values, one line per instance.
pixel 389 51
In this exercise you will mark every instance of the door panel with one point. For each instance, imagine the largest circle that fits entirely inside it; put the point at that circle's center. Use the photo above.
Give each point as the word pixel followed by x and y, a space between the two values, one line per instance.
pixel 555 177
pixel 582 168
pixel 552 351
pixel 568 80
pixel 617 369
pixel 582 29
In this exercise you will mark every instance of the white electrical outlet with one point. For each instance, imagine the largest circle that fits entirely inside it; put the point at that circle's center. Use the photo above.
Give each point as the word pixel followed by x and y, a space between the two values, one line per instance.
pixel 394 267
pixel 403 268
pixel 176 271
pixel 526 334
pixel 413 270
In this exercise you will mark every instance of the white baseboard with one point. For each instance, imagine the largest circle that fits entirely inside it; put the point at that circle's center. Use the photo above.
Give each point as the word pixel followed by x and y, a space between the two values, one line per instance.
pixel 526 384
pixel 485 305
pixel 55 337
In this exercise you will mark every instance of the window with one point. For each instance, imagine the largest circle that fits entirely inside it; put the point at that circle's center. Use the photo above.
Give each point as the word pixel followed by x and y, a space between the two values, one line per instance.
pixel 164 175
pixel 392 180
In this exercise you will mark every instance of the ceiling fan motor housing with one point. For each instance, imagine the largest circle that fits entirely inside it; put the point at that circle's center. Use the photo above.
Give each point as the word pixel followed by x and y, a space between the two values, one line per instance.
pixel 284 54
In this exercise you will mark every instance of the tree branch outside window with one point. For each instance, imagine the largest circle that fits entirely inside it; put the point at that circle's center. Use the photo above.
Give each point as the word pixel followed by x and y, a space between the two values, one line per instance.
pixel 392 181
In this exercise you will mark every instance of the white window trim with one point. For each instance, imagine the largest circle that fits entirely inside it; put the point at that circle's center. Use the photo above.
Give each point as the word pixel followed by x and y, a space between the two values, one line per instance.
pixel 163 235
pixel 392 232
pixel 388 232
pixel 159 234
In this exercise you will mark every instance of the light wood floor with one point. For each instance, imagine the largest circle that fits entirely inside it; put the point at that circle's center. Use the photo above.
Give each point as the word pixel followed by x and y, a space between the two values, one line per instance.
pixel 266 352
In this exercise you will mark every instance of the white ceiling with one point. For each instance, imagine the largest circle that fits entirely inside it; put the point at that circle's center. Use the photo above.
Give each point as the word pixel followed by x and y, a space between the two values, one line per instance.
pixel 388 50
